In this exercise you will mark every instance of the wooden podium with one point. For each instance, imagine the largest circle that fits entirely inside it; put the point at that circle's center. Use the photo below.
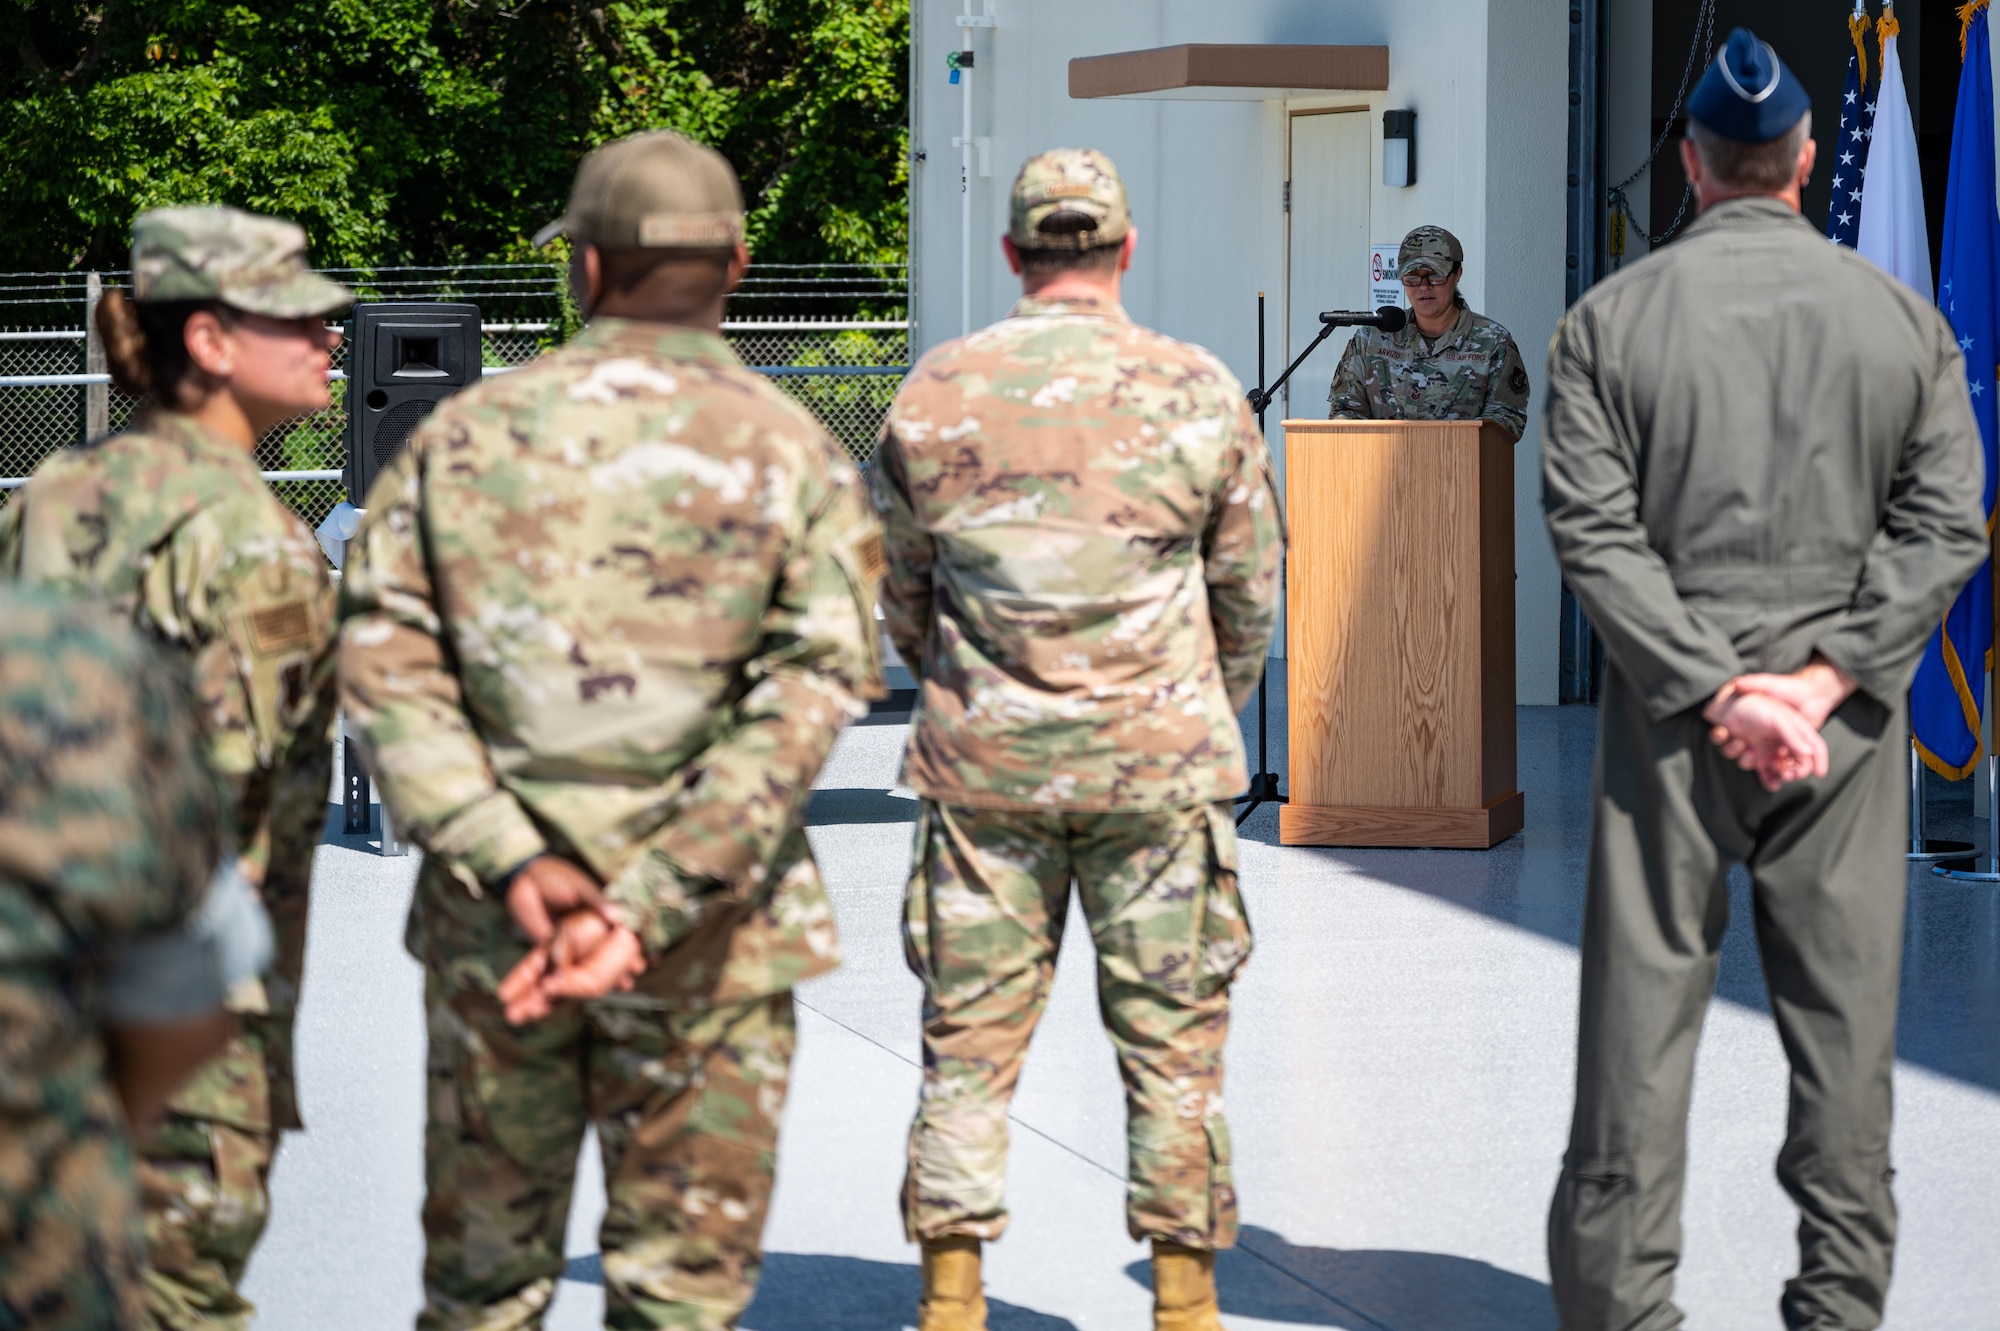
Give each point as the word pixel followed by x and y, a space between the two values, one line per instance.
pixel 1400 634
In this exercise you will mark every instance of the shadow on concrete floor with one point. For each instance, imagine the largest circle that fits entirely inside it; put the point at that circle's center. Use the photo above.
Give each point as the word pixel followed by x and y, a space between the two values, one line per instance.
pixel 813 1292
pixel 854 804
pixel 1265 1276
pixel 1948 1015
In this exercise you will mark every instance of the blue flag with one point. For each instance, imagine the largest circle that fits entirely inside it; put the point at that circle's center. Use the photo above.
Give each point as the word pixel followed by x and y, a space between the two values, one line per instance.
pixel 1944 701
pixel 1850 154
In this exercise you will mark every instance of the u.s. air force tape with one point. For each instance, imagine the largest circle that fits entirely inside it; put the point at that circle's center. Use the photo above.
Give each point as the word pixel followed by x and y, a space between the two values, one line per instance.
pixel 281 628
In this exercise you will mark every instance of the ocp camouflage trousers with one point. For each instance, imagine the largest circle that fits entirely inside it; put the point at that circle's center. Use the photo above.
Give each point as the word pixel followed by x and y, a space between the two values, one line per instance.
pixel 686 1105
pixel 204 1180
pixel 983 920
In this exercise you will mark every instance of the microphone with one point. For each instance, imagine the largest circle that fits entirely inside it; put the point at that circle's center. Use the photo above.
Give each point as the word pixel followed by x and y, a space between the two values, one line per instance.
pixel 1389 318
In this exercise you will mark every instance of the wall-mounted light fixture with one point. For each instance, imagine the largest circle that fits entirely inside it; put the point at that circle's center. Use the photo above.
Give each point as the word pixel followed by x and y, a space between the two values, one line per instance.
pixel 1399 148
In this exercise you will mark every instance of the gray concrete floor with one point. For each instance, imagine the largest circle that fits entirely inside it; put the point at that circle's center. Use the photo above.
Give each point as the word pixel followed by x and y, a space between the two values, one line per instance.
pixel 1399 1092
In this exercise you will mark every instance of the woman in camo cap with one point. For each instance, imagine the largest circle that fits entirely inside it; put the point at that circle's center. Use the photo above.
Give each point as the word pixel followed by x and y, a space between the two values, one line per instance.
pixel 1446 364
pixel 225 336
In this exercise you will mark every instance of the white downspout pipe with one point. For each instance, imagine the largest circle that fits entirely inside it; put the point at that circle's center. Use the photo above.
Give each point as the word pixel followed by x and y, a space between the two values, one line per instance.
pixel 965 188
pixel 967 145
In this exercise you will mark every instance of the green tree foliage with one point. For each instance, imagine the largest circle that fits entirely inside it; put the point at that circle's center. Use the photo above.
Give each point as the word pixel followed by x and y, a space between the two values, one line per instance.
pixel 440 131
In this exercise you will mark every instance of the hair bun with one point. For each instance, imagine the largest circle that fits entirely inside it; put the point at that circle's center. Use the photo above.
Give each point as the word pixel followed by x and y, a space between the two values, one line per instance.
pixel 124 344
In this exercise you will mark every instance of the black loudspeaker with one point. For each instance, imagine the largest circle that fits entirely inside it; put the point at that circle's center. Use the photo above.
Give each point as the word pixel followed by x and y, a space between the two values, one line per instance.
pixel 403 358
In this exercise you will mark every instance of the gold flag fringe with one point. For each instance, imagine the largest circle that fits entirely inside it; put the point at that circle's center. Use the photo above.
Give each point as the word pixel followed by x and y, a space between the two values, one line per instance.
pixel 1968 702
pixel 1965 13
pixel 1857 28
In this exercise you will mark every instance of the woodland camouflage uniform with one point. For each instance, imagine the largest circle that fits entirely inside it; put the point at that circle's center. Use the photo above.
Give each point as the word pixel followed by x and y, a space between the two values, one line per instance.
pixel 176 530
pixel 1084 542
pixel 109 832
pixel 614 607
pixel 1473 372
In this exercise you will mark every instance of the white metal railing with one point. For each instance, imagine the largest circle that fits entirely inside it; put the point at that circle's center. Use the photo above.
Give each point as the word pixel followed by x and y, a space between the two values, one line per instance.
pixel 812 325
pixel 543 326
pixel 323 474
pixel 51 380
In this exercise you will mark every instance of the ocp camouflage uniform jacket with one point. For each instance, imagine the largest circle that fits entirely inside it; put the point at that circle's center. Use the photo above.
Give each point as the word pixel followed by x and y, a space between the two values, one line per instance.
pixel 1084 540
pixel 616 606
pixel 109 830
pixel 1474 372
pixel 177 531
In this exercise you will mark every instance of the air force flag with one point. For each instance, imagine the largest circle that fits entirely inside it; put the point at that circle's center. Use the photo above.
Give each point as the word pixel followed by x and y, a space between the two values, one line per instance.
pixel 1944 701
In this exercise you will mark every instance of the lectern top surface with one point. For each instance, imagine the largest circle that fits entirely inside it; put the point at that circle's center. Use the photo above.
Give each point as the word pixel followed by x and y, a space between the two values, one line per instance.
pixel 1306 424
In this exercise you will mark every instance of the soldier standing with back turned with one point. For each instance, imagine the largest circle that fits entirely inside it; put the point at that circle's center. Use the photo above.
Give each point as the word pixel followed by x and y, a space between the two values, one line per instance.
pixel 1759 457
pixel 1084 543
pixel 601 626
pixel 170 523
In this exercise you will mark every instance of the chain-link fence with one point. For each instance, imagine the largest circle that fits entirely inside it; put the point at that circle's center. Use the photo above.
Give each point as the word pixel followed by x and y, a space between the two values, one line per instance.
pixel 302 459
pixel 844 373
pixel 845 370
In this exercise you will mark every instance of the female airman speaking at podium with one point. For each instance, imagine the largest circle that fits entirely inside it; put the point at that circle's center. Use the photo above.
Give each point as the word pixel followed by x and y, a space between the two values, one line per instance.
pixel 1446 364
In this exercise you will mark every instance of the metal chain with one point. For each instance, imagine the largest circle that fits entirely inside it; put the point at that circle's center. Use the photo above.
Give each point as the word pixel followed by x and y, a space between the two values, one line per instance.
pixel 1699 53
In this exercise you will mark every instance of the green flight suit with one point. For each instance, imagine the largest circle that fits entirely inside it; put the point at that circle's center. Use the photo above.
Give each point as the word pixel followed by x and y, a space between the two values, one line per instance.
pixel 1757 446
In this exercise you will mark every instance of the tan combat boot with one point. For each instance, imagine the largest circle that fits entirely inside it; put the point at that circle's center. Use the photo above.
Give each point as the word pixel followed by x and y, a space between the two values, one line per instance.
pixel 1184 1289
pixel 953 1299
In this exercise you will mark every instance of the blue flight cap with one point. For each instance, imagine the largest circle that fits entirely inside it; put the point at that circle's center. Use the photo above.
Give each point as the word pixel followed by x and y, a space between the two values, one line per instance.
pixel 1748 94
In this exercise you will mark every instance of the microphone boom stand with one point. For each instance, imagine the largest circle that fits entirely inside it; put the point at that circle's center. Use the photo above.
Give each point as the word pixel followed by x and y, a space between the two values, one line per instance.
pixel 1264 785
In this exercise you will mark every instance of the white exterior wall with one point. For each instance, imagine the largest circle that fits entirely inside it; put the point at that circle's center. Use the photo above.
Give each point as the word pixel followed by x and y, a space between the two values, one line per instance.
pixel 1487 79
pixel 1524 243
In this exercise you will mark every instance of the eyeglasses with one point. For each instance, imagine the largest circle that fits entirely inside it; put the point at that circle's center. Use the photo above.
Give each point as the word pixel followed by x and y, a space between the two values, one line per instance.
pixel 1427 279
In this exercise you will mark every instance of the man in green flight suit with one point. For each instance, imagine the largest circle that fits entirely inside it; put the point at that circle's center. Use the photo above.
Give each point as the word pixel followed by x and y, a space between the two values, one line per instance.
pixel 1765 547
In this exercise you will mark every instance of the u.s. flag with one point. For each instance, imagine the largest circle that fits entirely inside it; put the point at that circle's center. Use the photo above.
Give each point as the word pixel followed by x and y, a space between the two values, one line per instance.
pixel 1850 154
pixel 1944 699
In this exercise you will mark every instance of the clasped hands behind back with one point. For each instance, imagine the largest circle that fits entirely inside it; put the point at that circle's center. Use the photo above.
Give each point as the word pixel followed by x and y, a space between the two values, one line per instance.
pixel 580 949
pixel 1770 724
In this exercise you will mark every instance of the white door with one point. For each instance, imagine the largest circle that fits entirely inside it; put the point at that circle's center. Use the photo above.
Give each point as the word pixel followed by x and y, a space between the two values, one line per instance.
pixel 1328 268
pixel 1327 167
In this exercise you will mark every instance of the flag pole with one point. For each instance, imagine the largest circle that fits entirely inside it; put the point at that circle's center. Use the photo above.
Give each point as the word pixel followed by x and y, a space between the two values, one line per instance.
pixel 1969 260
pixel 1986 868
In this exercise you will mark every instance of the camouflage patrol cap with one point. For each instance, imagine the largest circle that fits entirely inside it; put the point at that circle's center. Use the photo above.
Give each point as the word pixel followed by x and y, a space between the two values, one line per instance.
pixel 652 191
pixel 210 252
pixel 1430 249
pixel 1068 199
